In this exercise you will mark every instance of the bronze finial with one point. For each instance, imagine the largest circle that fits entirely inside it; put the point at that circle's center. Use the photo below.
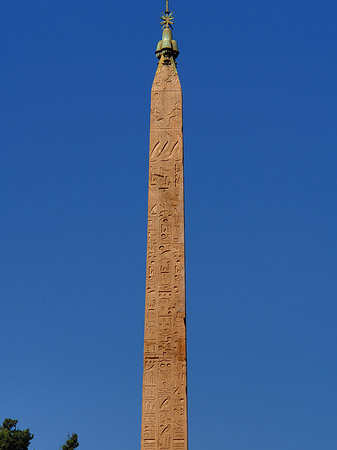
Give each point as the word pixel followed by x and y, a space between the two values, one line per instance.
pixel 167 18
pixel 167 48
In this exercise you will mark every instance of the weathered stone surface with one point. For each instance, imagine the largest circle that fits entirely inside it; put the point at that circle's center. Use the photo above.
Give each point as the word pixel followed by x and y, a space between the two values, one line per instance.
pixel 164 413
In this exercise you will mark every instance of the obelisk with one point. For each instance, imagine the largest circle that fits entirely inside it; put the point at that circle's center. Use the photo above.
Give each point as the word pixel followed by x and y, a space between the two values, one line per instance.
pixel 164 405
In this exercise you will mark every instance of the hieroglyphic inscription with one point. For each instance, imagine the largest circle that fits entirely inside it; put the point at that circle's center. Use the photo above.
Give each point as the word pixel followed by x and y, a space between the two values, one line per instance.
pixel 164 416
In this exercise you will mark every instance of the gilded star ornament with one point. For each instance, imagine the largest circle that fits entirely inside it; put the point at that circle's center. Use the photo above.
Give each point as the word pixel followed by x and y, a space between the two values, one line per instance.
pixel 167 20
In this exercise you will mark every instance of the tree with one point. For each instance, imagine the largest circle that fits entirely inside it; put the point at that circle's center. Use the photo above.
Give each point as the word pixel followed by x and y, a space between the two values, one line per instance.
pixel 71 443
pixel 13 439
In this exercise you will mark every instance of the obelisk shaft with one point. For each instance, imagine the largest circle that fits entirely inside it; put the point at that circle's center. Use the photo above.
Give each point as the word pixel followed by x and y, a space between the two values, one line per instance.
pixel 164 413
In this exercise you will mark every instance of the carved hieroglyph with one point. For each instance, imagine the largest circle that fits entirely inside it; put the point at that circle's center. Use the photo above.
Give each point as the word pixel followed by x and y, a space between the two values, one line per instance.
pixel 164 413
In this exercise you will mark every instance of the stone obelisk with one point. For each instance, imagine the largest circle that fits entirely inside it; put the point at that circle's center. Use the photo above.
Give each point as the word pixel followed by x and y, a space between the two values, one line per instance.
pixel 164 406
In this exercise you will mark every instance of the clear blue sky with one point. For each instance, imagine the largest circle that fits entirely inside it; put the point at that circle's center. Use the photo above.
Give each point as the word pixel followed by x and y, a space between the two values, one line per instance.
pixel 259 81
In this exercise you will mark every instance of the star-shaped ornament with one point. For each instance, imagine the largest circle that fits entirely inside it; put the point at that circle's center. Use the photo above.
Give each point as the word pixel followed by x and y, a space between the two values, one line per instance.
pixel 167 20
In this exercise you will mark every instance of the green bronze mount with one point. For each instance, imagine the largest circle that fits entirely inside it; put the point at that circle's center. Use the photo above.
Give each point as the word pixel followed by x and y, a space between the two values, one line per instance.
pixel 167 48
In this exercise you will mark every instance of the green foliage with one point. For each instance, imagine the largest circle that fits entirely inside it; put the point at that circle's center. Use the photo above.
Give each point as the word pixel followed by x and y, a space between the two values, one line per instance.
pixel 71 443
pixel 13 439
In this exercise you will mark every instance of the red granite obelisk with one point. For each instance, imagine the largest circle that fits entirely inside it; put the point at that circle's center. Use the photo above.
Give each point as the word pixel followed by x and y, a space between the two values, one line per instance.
pixel 164 405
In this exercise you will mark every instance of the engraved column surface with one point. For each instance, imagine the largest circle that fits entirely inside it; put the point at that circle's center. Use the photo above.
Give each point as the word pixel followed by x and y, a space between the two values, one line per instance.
pixel 164 407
